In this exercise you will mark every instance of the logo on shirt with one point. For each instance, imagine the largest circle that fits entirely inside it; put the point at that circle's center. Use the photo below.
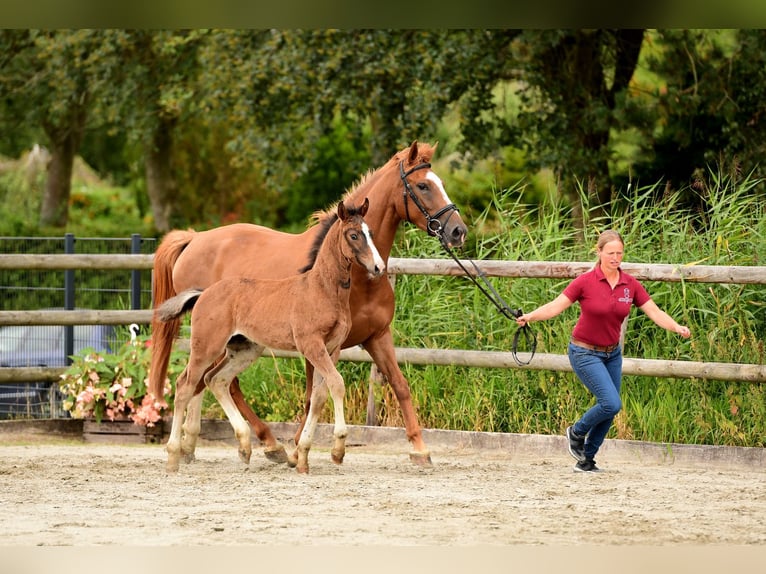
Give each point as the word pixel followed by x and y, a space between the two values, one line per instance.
pixel 626 298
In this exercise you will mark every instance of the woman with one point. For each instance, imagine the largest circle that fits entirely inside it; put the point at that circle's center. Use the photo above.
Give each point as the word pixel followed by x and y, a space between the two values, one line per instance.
pixel 605 295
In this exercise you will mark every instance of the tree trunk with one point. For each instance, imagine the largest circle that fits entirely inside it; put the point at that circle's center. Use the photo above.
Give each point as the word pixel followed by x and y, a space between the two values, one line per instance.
pixel 160 183
pixel 64 143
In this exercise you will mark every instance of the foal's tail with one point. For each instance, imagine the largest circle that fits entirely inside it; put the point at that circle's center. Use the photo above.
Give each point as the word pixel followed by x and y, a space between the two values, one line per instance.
pixel 164 333
pixel 176 306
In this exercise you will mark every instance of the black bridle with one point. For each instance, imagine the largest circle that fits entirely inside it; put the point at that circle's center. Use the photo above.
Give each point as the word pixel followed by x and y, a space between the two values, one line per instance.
pixel 435 228
pixel 433 223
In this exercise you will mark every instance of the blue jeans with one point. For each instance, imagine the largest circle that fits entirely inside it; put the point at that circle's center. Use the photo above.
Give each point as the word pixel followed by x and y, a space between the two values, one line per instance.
pixel 601 373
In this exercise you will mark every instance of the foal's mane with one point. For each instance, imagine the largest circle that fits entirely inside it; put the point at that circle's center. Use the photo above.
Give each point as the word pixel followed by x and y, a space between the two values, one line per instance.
pixel 324 228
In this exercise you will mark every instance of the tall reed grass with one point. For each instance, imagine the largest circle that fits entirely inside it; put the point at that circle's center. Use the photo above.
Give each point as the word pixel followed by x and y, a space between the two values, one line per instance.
pixel 728 323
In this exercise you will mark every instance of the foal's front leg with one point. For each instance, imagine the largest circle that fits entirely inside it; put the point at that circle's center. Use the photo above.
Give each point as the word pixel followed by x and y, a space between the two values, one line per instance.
pixel 300 456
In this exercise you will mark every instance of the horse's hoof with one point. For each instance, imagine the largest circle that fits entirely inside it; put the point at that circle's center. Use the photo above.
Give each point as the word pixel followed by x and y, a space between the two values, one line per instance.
pixel 171 467
pixel 189 457
pixel 244 456
pixel 421 459
pixel 276 454
pixel 292 461
pixel 337 457
pixel 302 469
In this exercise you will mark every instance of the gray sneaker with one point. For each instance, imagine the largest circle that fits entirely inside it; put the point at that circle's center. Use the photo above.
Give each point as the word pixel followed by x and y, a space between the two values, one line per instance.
pixel 576 444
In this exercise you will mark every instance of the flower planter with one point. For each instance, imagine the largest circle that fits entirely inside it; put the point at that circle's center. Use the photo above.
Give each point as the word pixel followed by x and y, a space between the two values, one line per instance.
pixel 121 432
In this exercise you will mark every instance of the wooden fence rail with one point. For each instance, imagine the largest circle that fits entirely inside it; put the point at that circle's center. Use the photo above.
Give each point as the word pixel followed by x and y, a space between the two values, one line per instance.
pixel 454 357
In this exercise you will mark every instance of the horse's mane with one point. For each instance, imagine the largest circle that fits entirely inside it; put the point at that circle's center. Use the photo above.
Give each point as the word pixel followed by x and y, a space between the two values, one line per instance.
pixel 324 228
pixel 326 217
pixel 425 153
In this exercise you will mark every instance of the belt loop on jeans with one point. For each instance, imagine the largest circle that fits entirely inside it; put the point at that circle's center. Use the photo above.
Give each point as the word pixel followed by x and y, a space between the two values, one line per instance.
pixel 600 348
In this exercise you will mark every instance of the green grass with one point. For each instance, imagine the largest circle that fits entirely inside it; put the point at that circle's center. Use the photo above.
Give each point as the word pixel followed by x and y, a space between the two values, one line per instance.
pixel 728 323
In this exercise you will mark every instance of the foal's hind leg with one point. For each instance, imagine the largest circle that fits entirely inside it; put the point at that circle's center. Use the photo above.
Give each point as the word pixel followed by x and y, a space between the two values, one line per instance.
pixel 218 380
pixel 183 394
pixel 191 428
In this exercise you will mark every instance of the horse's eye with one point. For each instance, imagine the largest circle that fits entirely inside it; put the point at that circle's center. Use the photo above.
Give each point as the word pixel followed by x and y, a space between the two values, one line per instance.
pixel 354 237
pixel 423 186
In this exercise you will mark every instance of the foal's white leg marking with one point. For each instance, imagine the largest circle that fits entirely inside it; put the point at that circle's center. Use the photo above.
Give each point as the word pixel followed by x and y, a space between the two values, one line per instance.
pixel 191 427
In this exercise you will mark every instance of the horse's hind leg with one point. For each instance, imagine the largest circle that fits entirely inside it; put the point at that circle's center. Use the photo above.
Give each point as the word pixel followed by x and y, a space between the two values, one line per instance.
pixel 272 450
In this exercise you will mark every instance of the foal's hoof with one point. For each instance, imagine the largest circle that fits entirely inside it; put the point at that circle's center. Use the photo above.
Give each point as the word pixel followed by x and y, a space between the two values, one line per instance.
pixel 276 454
pixel 244 455
pixel 337 457
pixel 292 460
pixel 189 457
pixel 421 459
pixel 302 469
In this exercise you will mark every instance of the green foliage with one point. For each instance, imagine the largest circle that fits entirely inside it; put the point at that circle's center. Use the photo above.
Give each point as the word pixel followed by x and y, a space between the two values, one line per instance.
pixel 338 159
pixel 728 324
pixel 114 385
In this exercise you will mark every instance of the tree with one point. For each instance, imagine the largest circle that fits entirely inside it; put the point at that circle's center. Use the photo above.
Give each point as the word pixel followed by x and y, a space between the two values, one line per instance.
pixel 148 89
pixel 45 82
pixel 570 85
pixel 709 108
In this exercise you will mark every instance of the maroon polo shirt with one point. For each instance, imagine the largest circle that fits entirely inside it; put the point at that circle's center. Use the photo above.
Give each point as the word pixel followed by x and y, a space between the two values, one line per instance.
pixel 603 308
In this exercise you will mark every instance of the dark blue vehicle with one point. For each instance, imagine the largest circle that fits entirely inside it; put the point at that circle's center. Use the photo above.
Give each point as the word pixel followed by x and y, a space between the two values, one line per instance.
pixel 41 346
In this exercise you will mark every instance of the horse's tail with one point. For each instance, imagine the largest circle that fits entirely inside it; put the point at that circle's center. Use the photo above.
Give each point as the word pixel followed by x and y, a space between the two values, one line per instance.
pixel 164 333
pixel 176 306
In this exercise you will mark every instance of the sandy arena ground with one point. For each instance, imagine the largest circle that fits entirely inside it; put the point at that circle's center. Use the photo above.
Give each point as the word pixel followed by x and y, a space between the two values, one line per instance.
pixel 69 493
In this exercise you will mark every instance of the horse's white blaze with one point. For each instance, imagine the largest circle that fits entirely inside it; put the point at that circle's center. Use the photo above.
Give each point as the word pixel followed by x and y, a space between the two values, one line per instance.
pixel 375 254
pixel 440 186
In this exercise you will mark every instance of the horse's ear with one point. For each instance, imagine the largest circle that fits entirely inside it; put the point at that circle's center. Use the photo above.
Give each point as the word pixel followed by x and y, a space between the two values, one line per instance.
pixel 365 205
pixel 413 155
pixel 342 213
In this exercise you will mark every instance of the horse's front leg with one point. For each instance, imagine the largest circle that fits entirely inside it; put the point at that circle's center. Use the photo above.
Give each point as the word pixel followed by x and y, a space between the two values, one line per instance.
pixel 381 349
pixel 272 449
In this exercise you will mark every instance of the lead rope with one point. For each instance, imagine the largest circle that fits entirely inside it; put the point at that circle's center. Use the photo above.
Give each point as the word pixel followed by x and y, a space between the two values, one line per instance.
pixel 480 280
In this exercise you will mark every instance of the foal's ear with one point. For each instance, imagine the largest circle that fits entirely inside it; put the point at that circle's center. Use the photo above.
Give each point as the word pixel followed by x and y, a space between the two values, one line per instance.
pixel 413 155
pixel 342 213
pixel 365 205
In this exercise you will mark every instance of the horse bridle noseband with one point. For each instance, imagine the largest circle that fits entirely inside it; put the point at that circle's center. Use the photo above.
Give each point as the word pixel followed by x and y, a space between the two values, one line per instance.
pixel 433 223
pixel 435 227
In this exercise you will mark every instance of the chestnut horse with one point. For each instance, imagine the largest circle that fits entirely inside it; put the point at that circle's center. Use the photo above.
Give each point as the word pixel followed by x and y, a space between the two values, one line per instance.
pixel 235 319
pixel 404 189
